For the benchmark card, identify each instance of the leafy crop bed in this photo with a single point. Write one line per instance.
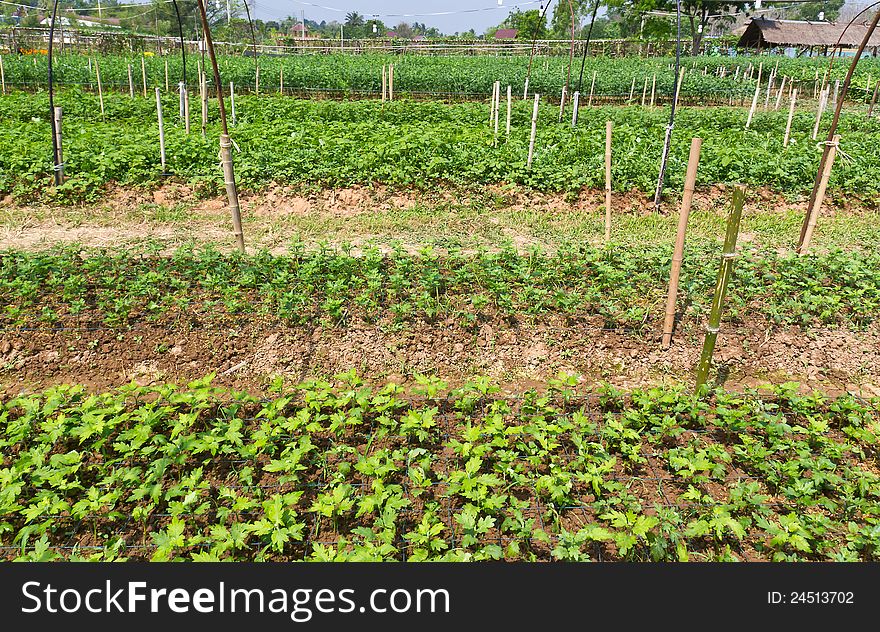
(100, 288)
(348, 473)
(411, 144)
(441, 75)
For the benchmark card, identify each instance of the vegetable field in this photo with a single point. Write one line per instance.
(445, 328)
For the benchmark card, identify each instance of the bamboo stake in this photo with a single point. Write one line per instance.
(232, 100)
(257, 78)
(724, 273)
(144, 75)
(678, 253)
(204, 99)
(509, 98)
(653, 88)
(130, 83)
(607, 181)
(680, 84)
(779, 94)
(562, 103)
(2, 75)
(100, 88)
(592, 87)
(161, 129)
(575, 105)
(384, 83)
(391, 82)
(819, 110)
(790, 117)
(526, 89)
(836, 90)
(59, 164)
(873, 100)
(631, 90)
(180, 89)
(167, 85)
(644, 90)
(820, 196)
(754, 104)
(497, 109)
(281, 81)
(186, 109)
(534, 131)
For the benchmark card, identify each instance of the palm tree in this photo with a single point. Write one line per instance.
(354, 19)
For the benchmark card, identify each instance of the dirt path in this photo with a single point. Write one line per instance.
(517, 356)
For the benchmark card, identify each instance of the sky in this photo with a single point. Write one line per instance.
(461, 15)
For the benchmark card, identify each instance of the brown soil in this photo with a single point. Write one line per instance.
(517, 356)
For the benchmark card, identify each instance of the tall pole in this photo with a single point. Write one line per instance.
(225, 141)
(182, 43)
(587, 44)
(56, 150)
(254, 42)
(675, 87)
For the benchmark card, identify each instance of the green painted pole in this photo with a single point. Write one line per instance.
(724, 274)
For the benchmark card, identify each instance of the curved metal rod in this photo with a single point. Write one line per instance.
(675, 87)
(587, 44)
(55, 148)
(253, 41)
(182, 44)
(535, 41)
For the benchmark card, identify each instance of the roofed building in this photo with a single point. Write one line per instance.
(763, 33)
(506, 34)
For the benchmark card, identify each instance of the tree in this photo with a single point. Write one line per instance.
(695, 16)
(404, 30)
(529, 24)
(810, 10)
(354, 19)
(560, 23)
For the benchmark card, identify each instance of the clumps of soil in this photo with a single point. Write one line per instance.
(516, 355)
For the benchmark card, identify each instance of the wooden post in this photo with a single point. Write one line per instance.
(724, 273)
(59, 158)
(526, 89)
(509, 98)
(391, 82)
(836, 90)
(779, 94)
(130, 83)
(204, 97)
(575, 105)
(754, 103)
(281, 81)
(232, 100)
(632, 89)
(100, 87)
(2, 75)
(497, 98)
(820, 196)
(167, 85)
(790, 117)
(186, 110)
(161, 129)
(653, 88)
(534, 131)
(607, 182)
(678, 253)
(644, 90)
(562, 103)
(823, 96)
(144, 75)
(873, 100)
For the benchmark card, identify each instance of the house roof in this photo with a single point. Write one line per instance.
(391, 34)
(506, 34)
(763, 32)
(299, 28)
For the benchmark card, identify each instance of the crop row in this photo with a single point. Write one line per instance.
(623, 287)
(344, 472)
(463, 75)
(412, 144)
